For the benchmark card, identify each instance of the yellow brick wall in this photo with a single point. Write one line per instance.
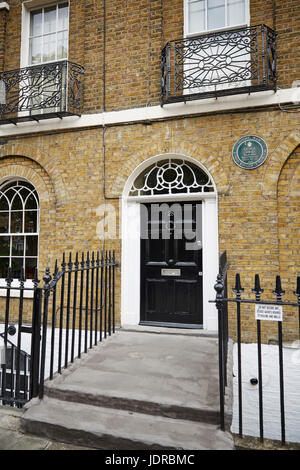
(289, 234)
(3, 21)
(136, 31)
(67, 167)
(70, 184)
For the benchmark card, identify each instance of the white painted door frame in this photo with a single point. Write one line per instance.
(131, 262)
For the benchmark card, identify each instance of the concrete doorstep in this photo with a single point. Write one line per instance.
(12, 437)
(136, 392)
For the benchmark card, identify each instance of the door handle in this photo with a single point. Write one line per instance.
(200, 273)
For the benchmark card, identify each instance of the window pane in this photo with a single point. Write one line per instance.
(31, 202)
(62, 45)
(17, 203)
(49, 47)
(18, 246)
(236, 12)
(16, 222)
(36, 23)
(4, 264)
(3, 204)
(50, 20)
(4, 246)
(31, 221)
(16, 266)
(30, 265)
(4, 218)
(10, 194)
(31, 246)
(24, 193)
(216, 14)
(197, 16)
(35, 54)
(63, 17)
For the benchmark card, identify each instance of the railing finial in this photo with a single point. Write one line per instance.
(257, 289)
(279, 292)
(238, 289)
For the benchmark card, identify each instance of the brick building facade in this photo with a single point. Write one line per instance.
(80, 164)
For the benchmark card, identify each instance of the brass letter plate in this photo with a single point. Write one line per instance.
(171, 272)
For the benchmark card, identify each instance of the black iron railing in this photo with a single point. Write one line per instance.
(219, 64)
(14, 372)
(222, 302)
(73, 311)
(223, 269)
(41, 92)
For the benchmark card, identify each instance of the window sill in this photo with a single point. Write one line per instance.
(219, 30)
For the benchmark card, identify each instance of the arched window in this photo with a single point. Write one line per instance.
(19, 228)
(172, 176)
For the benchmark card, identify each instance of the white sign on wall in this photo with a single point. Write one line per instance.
(268, 312)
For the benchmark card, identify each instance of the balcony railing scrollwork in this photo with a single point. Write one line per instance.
(219, 64)
(41, 92)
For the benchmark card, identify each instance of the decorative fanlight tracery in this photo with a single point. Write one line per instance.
(172, 176)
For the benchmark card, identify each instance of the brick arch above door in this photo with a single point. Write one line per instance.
(211, 163)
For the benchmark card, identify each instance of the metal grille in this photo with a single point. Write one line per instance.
(242, 305)
(70, 313)
(41, 92)
(219, 64)
(172, 177)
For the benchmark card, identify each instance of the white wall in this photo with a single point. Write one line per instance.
(271, 395)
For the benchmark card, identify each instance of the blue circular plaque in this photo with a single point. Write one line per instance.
(250, 152)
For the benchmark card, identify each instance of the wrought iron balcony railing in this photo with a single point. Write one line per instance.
(219, 64)
(41, 92)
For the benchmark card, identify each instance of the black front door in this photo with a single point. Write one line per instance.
(171, 264)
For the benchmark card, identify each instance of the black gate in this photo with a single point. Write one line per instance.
(271, 314)
(45, 328)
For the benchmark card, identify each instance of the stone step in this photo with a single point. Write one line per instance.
(174, 376)
(114, 429)
(137, 405)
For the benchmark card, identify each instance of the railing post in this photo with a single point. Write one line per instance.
(297, 294)
(163, 76)
(263, 53)
(279, 292)
(258, 291)
(46, 289)
(35, 343)
(64, 72)
(238, 289)
(219, 288)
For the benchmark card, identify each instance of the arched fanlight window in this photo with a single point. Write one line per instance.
(172, 176)
(19, 228)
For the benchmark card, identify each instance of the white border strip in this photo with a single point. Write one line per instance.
(210, 105)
